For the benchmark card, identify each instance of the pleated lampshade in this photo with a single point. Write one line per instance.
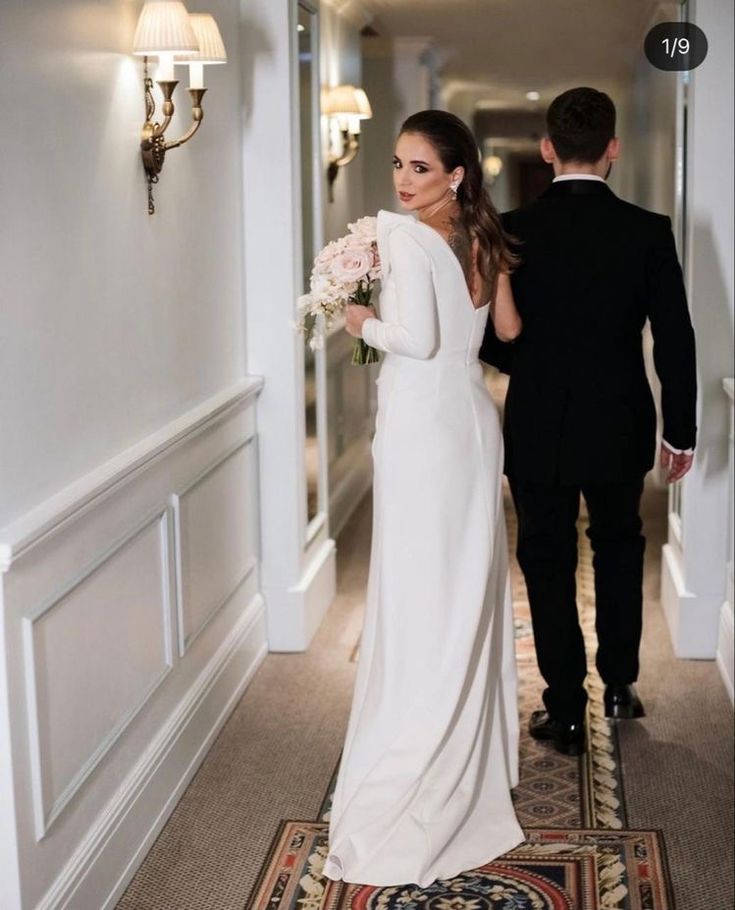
(211, 46)
(347, 101)
(164, 28)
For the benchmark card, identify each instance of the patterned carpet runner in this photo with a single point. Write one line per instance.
(578, 854)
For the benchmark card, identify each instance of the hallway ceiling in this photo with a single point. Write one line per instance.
(494, 51)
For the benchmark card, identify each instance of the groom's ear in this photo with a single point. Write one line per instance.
(613, 149)
(547, 150)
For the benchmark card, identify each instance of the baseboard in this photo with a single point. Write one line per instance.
(692, 618)
(145, 800)
(725, 648)
(294, 615)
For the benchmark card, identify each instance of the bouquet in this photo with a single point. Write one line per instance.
(344, 272)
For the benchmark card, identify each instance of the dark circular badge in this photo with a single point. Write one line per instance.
(676, 46)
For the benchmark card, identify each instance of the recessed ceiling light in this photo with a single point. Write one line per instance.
(533, 96)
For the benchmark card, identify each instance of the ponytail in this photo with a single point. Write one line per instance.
(456, 147)
(482, 221)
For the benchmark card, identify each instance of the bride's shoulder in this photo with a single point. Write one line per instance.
(388, 222)
(393, 225)
(391, 230)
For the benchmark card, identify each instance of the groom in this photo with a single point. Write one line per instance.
(579, 414)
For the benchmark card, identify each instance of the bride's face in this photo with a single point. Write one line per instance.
(419, 177)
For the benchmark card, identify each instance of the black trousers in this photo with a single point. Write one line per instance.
(547, 553)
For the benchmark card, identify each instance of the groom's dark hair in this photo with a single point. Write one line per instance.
(580, 123)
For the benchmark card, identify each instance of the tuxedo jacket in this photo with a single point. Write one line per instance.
(593, 269)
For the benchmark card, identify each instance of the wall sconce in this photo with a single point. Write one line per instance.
(166, 30)
(492, 165)
(348, 105)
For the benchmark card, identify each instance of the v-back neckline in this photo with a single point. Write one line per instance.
(445, 244)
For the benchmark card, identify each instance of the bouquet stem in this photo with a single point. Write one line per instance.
(362, 353)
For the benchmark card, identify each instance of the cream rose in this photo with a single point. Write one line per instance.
(352, 264)
(365, 228)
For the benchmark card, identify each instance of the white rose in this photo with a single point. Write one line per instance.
(352, 265)
(365, 228)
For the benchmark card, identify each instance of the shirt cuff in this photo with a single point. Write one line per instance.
(677, 451)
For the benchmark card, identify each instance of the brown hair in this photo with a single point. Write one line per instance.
(456, 147)
(581, 123)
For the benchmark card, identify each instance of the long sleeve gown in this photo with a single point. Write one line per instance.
(431, 751)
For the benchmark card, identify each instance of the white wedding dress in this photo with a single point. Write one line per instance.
(431, 752)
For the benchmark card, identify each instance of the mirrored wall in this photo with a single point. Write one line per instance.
(308, 76)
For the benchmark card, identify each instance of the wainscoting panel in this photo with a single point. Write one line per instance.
(118, 611)
(131, 621)
(216, 541)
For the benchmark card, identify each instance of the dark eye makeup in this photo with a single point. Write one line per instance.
(419, 166)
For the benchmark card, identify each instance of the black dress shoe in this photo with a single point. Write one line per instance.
(622, 702)
(569, 739)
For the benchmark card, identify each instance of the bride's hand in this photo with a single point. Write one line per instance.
(355, 315)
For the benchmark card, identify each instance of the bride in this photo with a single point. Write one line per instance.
(431, 751)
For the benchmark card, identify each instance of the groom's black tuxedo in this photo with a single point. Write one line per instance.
(580, 417)
(579, 407)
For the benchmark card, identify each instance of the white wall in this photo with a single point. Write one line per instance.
(113, 322)
(694, 565)
(131, 615)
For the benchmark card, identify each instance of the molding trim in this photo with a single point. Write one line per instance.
(185, 641)
(68, 889)
(45, 817)
(357, 12)
(20, 536)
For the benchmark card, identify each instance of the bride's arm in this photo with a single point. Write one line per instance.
(415, 334)
(503, 312)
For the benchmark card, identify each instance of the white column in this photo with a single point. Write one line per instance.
(298, 582)
(694, 560)
(726, 638)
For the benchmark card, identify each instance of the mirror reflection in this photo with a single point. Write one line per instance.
(307, 100)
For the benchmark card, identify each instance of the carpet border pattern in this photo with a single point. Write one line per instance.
(601, 870)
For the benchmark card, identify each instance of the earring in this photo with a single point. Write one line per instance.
(454, 187)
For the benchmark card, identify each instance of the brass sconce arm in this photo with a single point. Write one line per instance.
(350, 148)
(153, 130)
(153, 146)
(197, 115)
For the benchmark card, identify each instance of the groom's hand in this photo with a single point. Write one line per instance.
(675, 465)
